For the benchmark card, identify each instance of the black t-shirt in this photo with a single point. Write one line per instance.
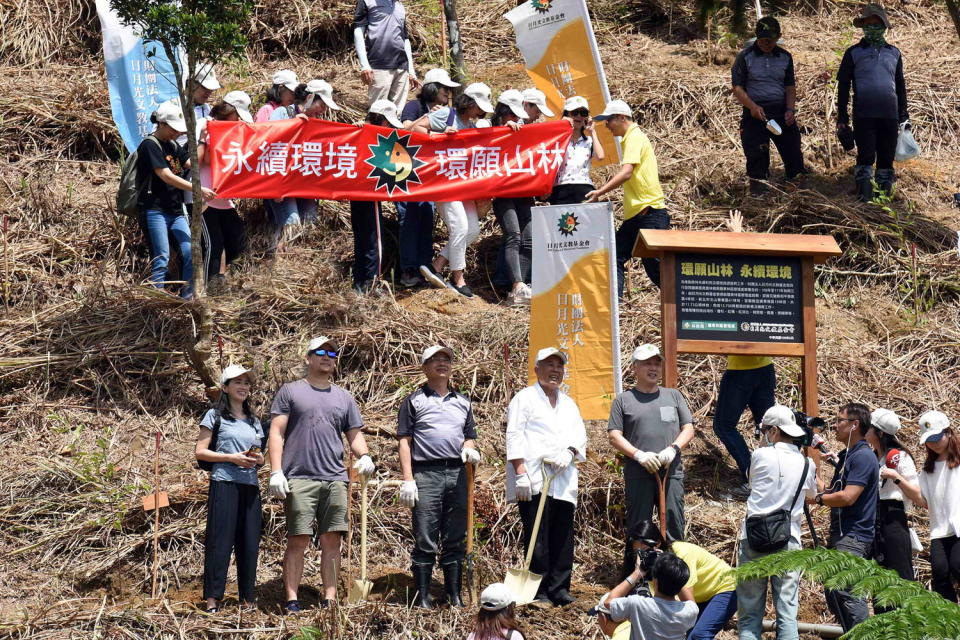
(151, 156)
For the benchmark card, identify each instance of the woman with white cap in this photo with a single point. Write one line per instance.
(463, 225)
(939, 488)
(535, 105)
(231, 442)
(496, 619)
(366, 217)
(160, 162)
(280, 94)
(223, 228)
(513, 214)
(899, 487)
(416, 218)
(311, 100)
(573, 179)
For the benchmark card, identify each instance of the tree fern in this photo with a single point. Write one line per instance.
(921, 614)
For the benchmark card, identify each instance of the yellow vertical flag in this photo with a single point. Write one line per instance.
(561, 56)
(574, 306)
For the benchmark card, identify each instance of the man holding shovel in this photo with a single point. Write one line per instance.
(545, 435)
(649, 425)
(436, 436)
(309, 418)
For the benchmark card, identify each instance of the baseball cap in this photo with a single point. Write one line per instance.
(575, 102)
(388, 110)
(286, 78)
(539, 98)
(513, 99)
(207, 77)
(644, 352)
(240, 101)
(614, 108)
(170, 114)
(234, 371)
(481, 95)
(429, 352)
(932, 423)
(495, 597)
(323, 89)
(782, 417)
(316, 343)
(885, 420)
(543, 354)
(869, 10)
(440, 76)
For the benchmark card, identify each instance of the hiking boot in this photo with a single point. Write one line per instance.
(432, 278)
(451, 584)
(421, 578)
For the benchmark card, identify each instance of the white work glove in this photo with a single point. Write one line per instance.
(603, 604)
(560, 459)
(409, 494)
(666, 456)
(364, 465)
(469, 455)
(279, 487)
(524, 490)
(648, 460)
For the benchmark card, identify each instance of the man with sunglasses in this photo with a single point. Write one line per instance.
(852, 499)
(436, 433)
(309, 417)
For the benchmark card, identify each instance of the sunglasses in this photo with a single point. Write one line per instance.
(323, 352)
(583, 113)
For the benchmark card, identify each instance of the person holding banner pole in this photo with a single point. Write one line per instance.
(463, 224)
(545, 436)
(644, 206)
(573, 179)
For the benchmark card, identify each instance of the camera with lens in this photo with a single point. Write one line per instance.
(646, 558)
(810, 426)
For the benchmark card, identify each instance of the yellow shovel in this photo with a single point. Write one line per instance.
(523, 583)
(361, 588)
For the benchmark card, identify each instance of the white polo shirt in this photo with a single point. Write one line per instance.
(774, 476)
(536, 429)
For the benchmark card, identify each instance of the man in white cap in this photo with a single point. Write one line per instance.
(644, 206)
(779, 473)
(650, 425)
(535, 105)
(545, 436)
(383, 49)
(436, 434)
(309, 419)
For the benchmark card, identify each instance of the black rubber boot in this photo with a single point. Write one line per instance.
(421, 578)
(885, 181)
(451, 584)
(863, 175)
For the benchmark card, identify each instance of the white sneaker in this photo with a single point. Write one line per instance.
(523, 294)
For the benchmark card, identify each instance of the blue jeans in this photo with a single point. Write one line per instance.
(416, 234)
(714, 613)
(752, 598)
(160, 225)
(626, 238)
(849, 609)
(739, 389)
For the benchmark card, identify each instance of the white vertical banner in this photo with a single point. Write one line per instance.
(574, 306)
(139, 76)
(560, 53)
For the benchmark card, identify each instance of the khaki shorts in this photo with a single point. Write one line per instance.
(321, 500)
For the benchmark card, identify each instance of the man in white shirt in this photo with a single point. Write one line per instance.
(545, 435)
(777, 472)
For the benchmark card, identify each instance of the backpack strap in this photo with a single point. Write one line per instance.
(216, 430)
(803, 480)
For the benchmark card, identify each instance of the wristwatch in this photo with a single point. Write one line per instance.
(676, 448)
(819, 499)
(896, 481)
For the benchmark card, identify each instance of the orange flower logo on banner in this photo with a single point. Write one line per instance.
(394, 162)
(567, 224)
(541, 5)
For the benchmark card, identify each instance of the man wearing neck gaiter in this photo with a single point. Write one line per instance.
(875, 69)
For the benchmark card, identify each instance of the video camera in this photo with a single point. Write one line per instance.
(645, 561)
(810, 425)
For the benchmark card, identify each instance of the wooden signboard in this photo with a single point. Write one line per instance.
(738, 293)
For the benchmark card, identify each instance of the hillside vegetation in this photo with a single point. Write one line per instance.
(92, 364)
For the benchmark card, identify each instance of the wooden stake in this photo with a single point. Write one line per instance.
(156, 517)
(916, 283)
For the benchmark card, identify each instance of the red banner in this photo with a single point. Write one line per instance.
(333, 161)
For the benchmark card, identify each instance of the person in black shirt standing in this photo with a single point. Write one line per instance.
(875, 70)
(852, 498)
(161, 162)
(763, 82)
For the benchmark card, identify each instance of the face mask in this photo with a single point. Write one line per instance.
(873, 34)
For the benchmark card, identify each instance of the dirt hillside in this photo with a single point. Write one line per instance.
(92, 363)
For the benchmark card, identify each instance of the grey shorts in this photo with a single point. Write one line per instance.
(322, 500)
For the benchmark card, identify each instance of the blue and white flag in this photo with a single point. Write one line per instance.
(138, 79)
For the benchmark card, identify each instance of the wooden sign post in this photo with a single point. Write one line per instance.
(738, 293)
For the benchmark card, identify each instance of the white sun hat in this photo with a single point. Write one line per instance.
(539, 98)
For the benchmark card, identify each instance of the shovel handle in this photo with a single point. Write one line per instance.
(363, 528)
(662, 506)
(548, 478)
(471, 473)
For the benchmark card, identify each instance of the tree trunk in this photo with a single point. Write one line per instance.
(954, 10)
(453, 36)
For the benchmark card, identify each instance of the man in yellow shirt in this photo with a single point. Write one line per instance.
(643, 203)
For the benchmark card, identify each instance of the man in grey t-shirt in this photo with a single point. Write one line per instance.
(436, 433)
(383, 49)
(650, 425)
(309, 418)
